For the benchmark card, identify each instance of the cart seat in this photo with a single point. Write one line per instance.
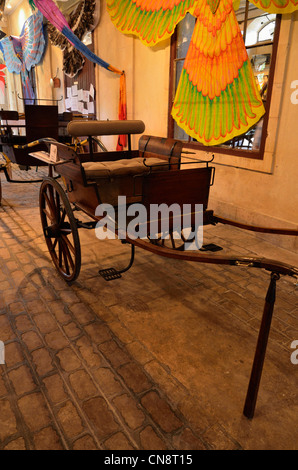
(113, 174)
(124, 167)
(124, 177)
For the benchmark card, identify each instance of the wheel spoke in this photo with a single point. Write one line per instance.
(50, 193)
(183, 237)
(49, 216)
(62, 216)
(65, 258)
(168, 239)
(57, 204)
(172, 241)
(68, 243)
(52, 210)
(68, 255)
(60, 253)
(54, 244)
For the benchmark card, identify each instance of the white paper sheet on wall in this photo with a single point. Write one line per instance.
(68, 90)
(80, 95)
(91, 107)
(74, 90)
(68, 103)
(80, 107)
(91, 91)
(74, 103)
(86, 96)
(61, 107)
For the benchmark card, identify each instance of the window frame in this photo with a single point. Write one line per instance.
(220, 149)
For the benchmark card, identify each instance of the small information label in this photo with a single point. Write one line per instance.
(53, 154)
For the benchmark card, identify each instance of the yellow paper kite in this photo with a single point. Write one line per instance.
(276, 6)
(217, 97)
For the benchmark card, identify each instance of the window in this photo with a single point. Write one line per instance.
(260, 32)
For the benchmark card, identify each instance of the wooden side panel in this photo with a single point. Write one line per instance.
(181, 187)
(177, 187)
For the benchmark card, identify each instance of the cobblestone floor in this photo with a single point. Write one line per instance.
(159, 359)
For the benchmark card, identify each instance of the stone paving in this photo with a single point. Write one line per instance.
(157, 360)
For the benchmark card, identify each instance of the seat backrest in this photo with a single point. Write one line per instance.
(161, 147)
(41, 121)
(101, 128)
(67, 116)
(9, 129)
(9, 115)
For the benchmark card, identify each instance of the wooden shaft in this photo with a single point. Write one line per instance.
(199, 257)
(256, 228)
(257, 368)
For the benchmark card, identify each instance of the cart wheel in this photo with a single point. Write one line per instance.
(171, 241)
(60, 229)
(6, 163)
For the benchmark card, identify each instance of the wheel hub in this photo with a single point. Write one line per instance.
(55, 230)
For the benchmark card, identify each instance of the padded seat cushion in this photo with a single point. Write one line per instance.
(124, 167)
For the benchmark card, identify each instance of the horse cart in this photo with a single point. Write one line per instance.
(151, 175)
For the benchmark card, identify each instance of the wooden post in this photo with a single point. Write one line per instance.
(257, 368)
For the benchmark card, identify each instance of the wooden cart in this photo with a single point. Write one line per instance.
(152, 174)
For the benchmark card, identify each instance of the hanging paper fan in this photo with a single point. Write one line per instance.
(80, 21)
(2, 78)
(23, 52)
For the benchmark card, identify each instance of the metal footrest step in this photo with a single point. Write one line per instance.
(109, 274)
